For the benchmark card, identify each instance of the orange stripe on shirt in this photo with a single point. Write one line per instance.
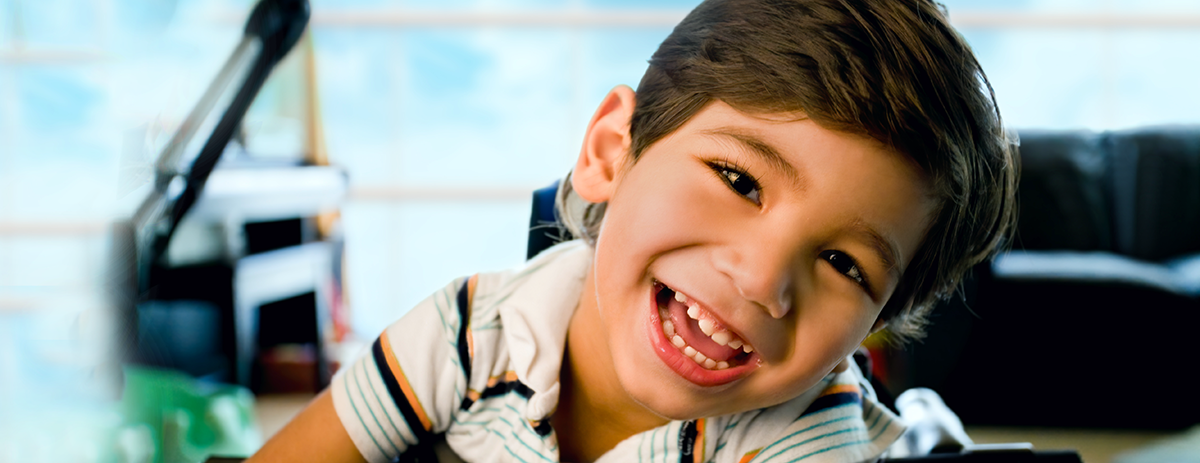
(471, 283)
(840, 388)
(394, 367)
(507, 377)
(749, 456)
(698, 449)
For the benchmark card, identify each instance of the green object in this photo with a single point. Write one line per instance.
(171, 417)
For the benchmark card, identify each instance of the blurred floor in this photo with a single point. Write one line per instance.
(1095, 446)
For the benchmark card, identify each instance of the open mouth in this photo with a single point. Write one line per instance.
(698, 334)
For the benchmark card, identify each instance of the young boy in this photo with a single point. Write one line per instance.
(791, 176)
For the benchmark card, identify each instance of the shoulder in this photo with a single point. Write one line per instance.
(519, 318)
(515, 341)
(426, 370)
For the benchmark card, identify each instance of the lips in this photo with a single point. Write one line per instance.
(694, 343)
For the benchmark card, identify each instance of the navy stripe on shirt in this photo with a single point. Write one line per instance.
(832, 400)
(397, 394)
(464, 319)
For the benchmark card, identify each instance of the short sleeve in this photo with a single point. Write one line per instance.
(407, 386)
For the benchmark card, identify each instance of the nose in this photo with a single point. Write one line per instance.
(762, 271)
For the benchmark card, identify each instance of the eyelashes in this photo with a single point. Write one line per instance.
(849, 268)
(739, 181)
(846, 265)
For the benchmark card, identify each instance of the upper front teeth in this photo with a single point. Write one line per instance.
(710, 328)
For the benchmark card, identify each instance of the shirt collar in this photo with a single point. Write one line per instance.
(536, 315)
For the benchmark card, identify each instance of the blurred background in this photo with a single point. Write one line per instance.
(441, 116)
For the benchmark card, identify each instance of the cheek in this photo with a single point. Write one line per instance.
(653, 212)
(661, 211)
(824, 334)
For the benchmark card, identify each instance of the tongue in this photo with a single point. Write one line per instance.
(689, 330)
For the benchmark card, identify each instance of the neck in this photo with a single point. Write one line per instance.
(594, 412)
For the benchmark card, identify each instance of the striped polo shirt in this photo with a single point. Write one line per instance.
(475, 367)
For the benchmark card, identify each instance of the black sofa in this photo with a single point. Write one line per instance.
(1089, 320)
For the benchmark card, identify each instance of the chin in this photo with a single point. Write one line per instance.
(672, 406)
(655, 391)
(647, 387)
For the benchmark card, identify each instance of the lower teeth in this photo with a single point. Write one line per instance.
(679, 343)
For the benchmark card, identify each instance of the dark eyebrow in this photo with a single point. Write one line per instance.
(885, 249)
(755, 145)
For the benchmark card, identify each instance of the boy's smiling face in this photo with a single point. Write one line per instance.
(767, 231)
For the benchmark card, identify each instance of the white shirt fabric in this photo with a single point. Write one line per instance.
(489, 386)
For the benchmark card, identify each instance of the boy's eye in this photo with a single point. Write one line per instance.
(845, 265)
(740, 182)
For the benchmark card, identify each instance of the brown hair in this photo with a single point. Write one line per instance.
(892, 70)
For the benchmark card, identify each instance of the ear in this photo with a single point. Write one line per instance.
(605, 147)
